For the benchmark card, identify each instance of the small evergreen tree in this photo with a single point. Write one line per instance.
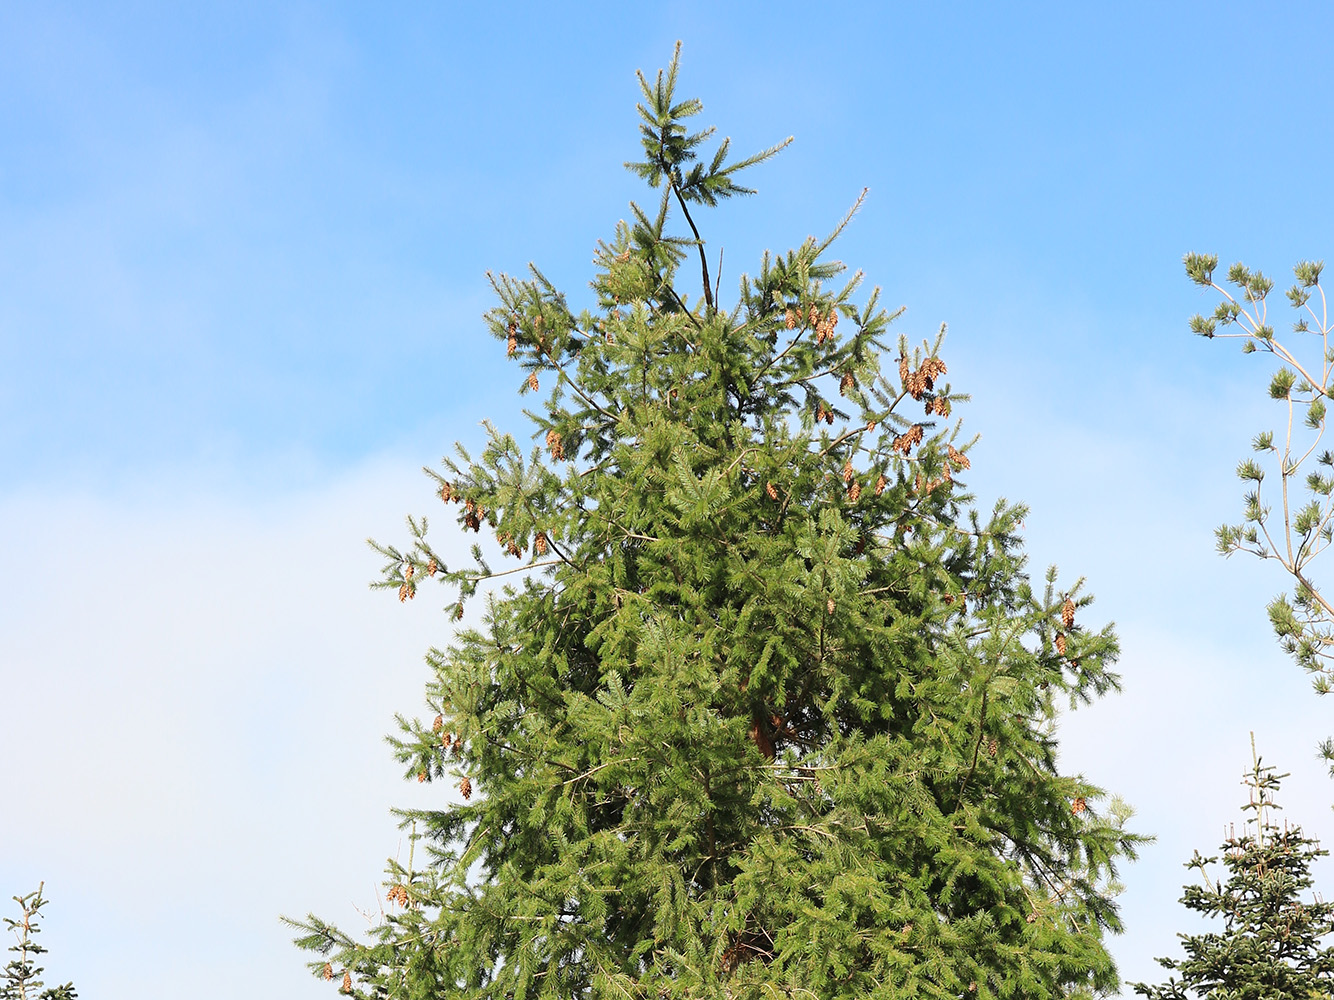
(772, 711)
(22, 975)
(1270, 946)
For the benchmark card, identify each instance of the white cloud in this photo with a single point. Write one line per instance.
(196, 694)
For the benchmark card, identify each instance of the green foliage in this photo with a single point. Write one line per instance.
(21, 977)
(772, 711)
(1271, 942)
(1304, 620)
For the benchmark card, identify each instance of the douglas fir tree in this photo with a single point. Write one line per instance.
(771, 711)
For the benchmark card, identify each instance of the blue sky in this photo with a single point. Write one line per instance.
(242, 266)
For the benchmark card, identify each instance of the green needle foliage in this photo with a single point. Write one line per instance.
(1270, 946)
(20, 979)
(771, 710)
(1303, 527)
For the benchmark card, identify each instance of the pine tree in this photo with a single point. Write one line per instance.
(1270, 946)
(771, 711)
(21, 977)
(1302, 384)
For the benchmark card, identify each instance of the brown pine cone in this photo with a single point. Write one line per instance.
(1068, 613)
(465, 787)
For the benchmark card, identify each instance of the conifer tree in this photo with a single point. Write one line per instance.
(1271, 943)
(1302, 527)
(764, 706)
(21, 977)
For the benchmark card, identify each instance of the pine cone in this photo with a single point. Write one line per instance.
(769, 489)
(465, 787)
(446, 492)
(1060, 644)
(1068, 613)
(903, 369)
(880, 484)
(870, 425)
(540, 545)
(790, 319)
(432, 566)
(815, 315)
(960, 461)
(402, 593)
(993, 747)
(829, 417)
(458, 742)
(854, 492)
(327, 972)
(1078, 806)
(829, 606)
(511, 344)
(847, 471)
(438, 724)
(458, 611)
(846, 383)
(553, 442)
(347, 983)
(532, 381)
(421, 776)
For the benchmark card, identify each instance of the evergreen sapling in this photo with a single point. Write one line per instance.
(1271, 945)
